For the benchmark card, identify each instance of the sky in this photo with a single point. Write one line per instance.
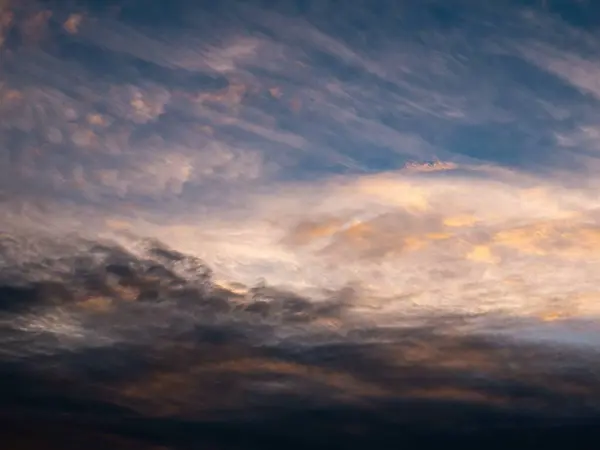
(384, 165)
(446, 154)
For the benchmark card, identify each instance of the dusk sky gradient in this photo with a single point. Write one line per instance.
(369, 180)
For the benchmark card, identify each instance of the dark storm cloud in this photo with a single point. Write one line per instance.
(150, 336)
(78, 280)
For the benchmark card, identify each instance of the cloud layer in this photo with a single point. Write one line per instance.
(371, 209)
(277, 145)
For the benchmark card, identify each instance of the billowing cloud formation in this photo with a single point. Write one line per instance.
(411, 244)
(151, 341)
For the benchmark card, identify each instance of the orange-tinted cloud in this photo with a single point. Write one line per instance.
(6, 21)
(34, 28)
(482, 253)
(73, 23)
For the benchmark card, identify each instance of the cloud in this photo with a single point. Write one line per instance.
(73, 22)
(568, 65)
(387, 225)
(403, 234)
(194, 353)
(160, 88)
(202, 168)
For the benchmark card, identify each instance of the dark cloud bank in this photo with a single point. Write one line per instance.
(163, 358)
